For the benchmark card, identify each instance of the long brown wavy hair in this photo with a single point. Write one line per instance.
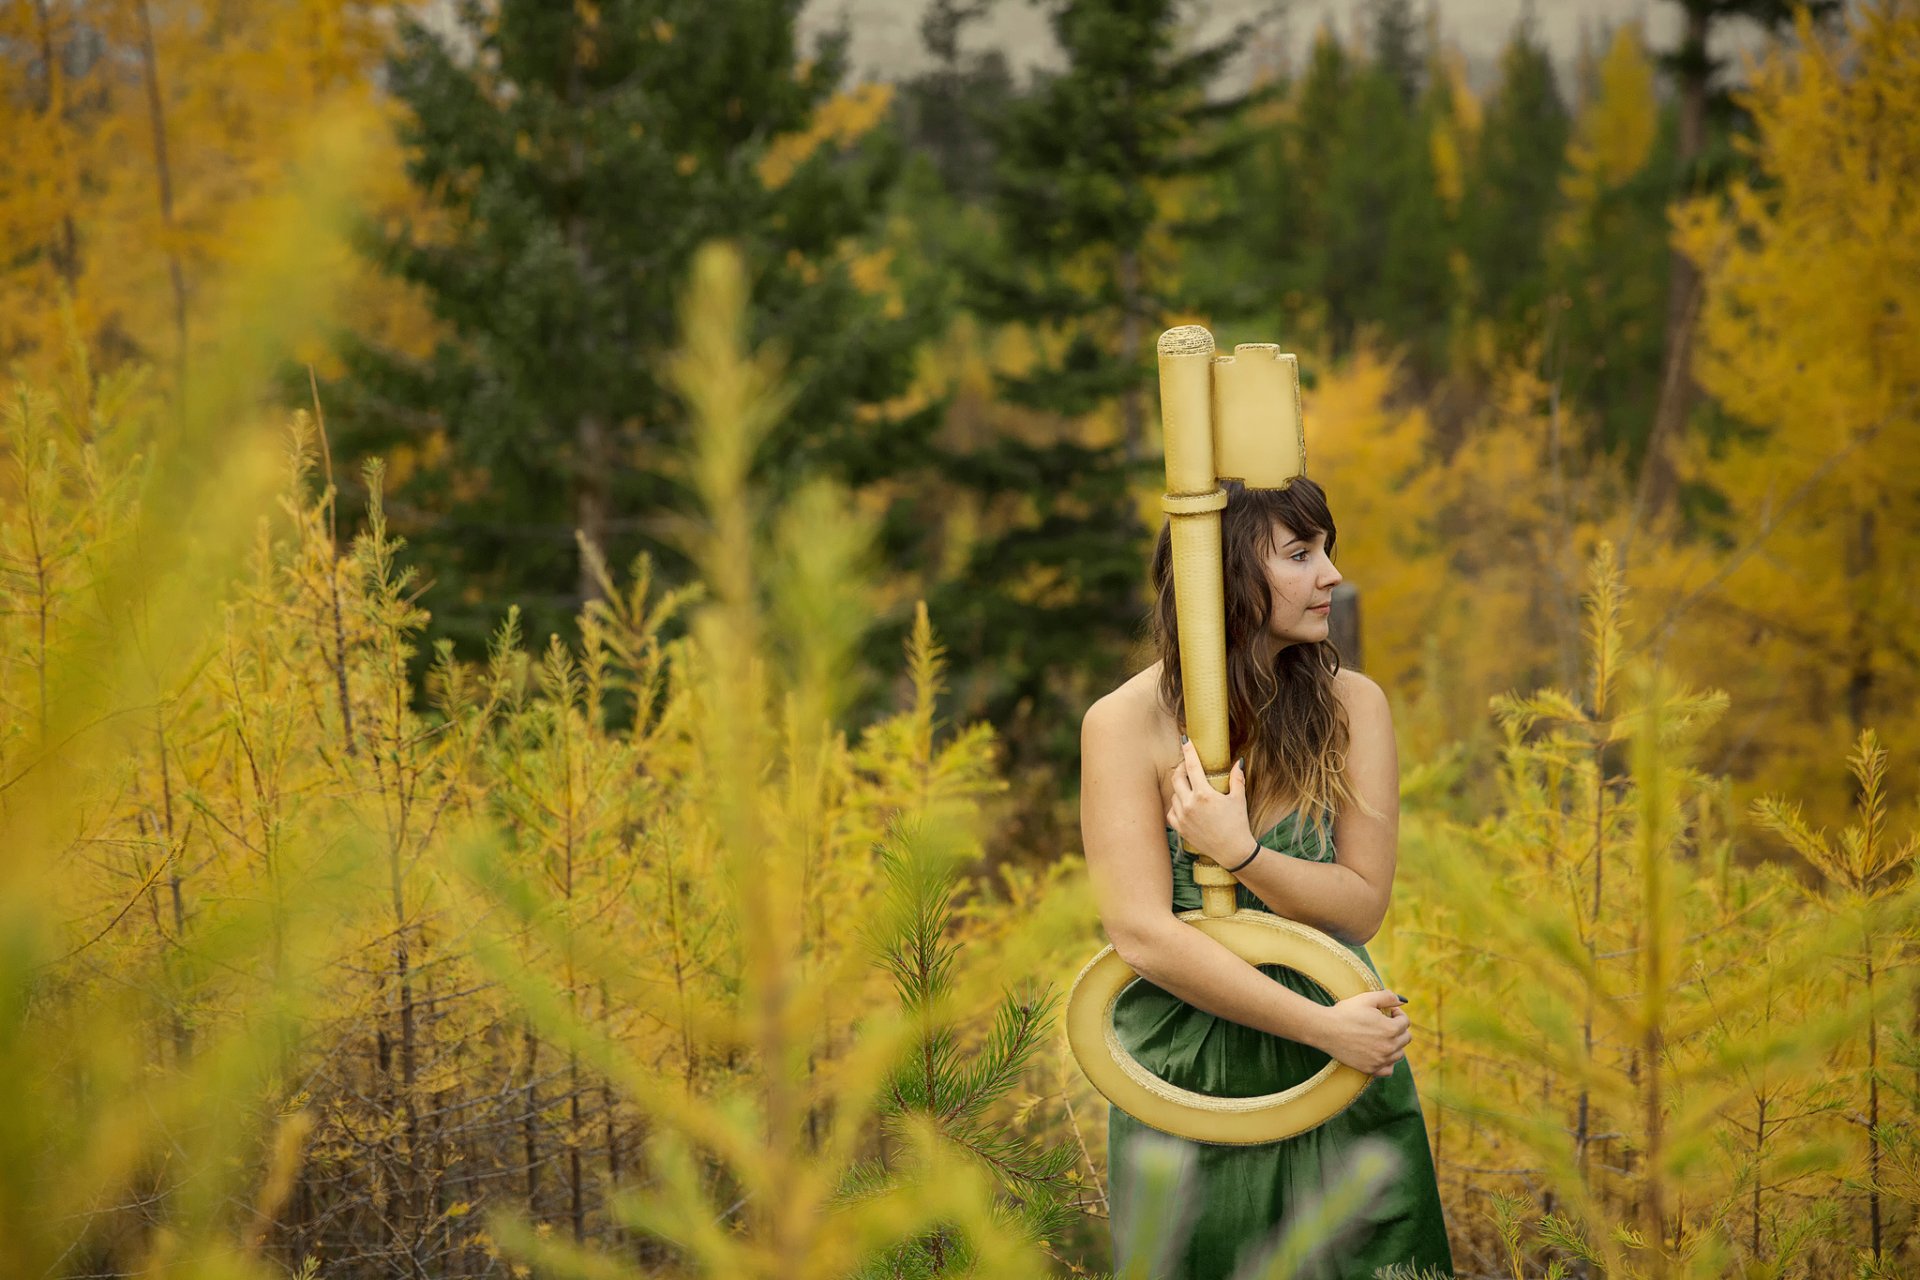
(1283, 717)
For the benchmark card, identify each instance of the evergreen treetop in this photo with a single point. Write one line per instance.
(1091, 167)
(573, 157)
(1522, 147)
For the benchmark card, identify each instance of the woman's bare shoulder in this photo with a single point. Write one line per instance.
(1354, 688)
(1133, 709)
(1363, 701)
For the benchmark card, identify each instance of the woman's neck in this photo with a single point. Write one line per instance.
(1267, 646)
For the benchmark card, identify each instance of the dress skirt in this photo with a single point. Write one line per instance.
(1242, 1195)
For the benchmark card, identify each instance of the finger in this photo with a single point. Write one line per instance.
(1181, 785)
(1196, 772)
(1237, 778)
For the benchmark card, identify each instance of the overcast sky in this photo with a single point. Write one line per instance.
(886, 33)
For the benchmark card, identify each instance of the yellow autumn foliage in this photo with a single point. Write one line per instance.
(332, 961)
(1812, 273)
(1457, 130)
(1372, 457)
(139, 157)
(1614, 134)
(321, 961)
(840, 121)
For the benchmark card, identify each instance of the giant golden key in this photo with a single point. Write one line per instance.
(1224, 417)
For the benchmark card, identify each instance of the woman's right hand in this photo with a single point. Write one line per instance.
(1366, 1032)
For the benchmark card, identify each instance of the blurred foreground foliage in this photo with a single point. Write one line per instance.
(329, 937)
(298, 971)
(302, 976)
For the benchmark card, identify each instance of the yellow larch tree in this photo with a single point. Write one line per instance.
(326, 967)
(1812, 276)
(148, 133)
(1615, 133)
(1372, 457)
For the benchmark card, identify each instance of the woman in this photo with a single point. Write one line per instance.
(1317, 743)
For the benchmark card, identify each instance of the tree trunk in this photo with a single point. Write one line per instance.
(1873, 1108)
(1759, 1171)
(616, 1237)
(1133, 418)
(1658, 479)
(591, 462)
(1861, 564)
(1656, 1211)
(336, 562)
(156, 116)
(409, 1073)
(53, 104)
(1583, 1127)
(530, 1133)
(576, 1173)
(590, 496)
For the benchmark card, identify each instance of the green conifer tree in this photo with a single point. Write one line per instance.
(1383, 225)
(1279, 200)
(1394, 38)
(1084, 159)
(574, 156)
(1607, 268)
(1515, 186)
(1082, 262)
(938, 1080)
(1349, 228)
(946, 111)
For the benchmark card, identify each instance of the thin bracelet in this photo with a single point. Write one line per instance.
(1257, 847)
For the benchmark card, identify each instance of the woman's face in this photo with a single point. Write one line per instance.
(1303, 579)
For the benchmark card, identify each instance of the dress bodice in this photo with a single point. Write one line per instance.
(1290, 836)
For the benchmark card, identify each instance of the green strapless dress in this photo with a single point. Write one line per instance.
(1245, 1193)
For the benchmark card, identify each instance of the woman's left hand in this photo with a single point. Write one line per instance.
(1212, 824)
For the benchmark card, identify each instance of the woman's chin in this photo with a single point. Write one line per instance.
(1308, 632)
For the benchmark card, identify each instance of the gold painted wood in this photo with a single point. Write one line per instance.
(1258, 938)
(1223, 417)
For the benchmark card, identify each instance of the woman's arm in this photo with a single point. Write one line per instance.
(1133, 886)
(1347, 897)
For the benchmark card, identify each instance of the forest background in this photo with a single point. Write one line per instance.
(463, 804)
